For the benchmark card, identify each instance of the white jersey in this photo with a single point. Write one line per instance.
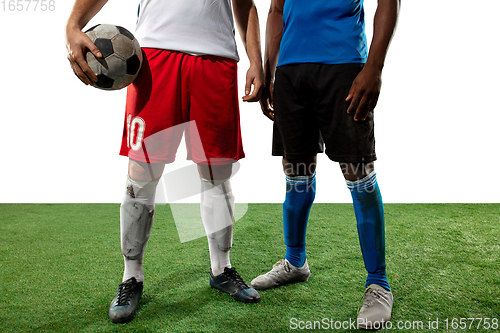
(192, 26)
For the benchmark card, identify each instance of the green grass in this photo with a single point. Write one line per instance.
(60, 266)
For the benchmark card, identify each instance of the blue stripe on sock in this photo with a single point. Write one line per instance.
(301, 180)
(362, 184)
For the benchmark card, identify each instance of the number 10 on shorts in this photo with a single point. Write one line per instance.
(135, 132)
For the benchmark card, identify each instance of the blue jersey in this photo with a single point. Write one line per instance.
(323, 31)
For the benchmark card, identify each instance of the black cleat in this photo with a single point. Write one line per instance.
(122, 308)
(231, 283)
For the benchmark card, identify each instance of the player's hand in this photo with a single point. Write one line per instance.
(77, 45)
(255, 78)
(364, 93)
(266, 100)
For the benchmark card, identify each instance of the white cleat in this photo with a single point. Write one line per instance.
(282, 273)
(376, 309)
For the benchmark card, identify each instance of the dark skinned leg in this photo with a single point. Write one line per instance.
(356, 171)
(300, 167)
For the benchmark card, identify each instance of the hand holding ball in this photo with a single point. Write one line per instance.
(121, 56)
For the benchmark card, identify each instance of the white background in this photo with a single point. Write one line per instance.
(436, 121)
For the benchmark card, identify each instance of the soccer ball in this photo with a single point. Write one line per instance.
(121, 56)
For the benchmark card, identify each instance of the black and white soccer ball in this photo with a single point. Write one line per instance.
(121, 56)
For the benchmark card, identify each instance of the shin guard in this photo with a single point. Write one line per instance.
(217, 207)
(136, 220)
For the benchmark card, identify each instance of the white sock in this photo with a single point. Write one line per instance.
(217, 207)
(136, 220)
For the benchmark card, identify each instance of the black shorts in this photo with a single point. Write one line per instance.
(311, 112)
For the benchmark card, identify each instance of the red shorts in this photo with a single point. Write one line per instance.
(177, 93)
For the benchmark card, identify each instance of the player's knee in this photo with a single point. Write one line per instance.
(300, 167)
(144, 172)
(215, 172)
(356, 171)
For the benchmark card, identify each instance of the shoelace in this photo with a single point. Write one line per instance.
(125, 292)
(285, 265)
(369, 290)
(236, 278)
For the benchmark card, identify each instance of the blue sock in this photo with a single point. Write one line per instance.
(369, 211)
(300, 193)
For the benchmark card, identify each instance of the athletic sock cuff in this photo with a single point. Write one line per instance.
(301, 180)
(142, 184)
(141, 191)
(362, 184)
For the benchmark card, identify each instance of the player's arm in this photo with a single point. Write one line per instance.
(365, 89)
(274, 31)
(247, 20)
(77, 42)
